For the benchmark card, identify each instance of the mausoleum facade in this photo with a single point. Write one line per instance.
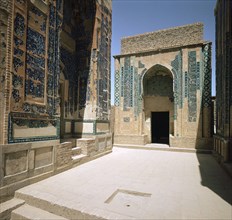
(163, 89)
(54, 86)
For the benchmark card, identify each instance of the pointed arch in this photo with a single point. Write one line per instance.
(156, 68)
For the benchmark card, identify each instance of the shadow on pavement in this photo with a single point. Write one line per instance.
(214, 177)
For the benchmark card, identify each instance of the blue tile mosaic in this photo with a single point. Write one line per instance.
(117, 89)
(36, 11)
(137, 92)
(207, 76)
(186, 84)
(127, 84)
(35, 62)
(31, 120)
(17, 81)
(19, 25)
(16, 95)
(52, 16)
(18, 52)
(17, 42)
(32, 49)
(192, 87)
(177, 72)
(198, 81)
(17, 63)
(35, 42)
(38, 18)
(35, 74)
(122, 79)
(158, 86)
(50, 85)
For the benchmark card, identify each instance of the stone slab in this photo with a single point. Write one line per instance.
(29, 212)
(162, 147)
(180, 185)
(7, 207)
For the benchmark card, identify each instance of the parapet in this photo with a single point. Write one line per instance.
(167, 38)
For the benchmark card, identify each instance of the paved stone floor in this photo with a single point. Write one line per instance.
(141, 184)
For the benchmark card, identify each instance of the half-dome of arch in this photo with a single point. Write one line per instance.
(158, 81)
(158, 70)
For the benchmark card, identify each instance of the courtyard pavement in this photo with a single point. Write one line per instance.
(140, 184)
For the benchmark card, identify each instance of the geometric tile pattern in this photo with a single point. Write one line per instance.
(53, 60)
(198, 80)
(18, 79)
(136, 93)
(128, 84)
(192, 86)
(117, 89)
(158, 85)
(35, 46)
(206, 99)
(29, 72)
(131, 85)
(177, 72)
(103, 71)
(186, 84)
(122, 79)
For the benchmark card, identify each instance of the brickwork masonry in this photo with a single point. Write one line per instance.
(172, 37)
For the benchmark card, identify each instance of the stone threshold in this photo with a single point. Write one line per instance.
(163, 147)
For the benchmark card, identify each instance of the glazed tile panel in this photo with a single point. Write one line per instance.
(34, 93)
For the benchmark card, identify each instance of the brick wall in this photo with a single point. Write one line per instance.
(64, 154)
(178, 36)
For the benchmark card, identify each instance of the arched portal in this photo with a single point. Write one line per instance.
(158, 98)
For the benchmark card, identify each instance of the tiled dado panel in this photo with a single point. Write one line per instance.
(35, 70)
(25, 127)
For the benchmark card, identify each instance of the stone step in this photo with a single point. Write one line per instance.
(8, 206)
(29, 212)
(43, 206)
(72, 140)
(76, 151)
(163, 147)
(79, 159)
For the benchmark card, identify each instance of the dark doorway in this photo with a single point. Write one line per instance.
(160, 127)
